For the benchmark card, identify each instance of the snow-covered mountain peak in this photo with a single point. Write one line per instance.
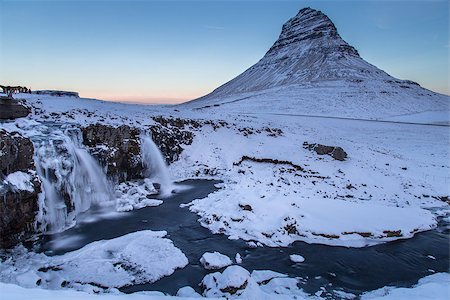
(308, 50)
(311, 70)
(310, 28)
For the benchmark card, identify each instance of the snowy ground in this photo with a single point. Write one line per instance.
(431, 287)
(393, 184)
(388, 188)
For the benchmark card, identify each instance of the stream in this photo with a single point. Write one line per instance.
(354, 270)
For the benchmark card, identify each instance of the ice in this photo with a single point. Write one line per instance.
(20, 181)
(135, 195)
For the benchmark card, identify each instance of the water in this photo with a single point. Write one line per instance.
(73, 181)
(355, 270)
(155, 166)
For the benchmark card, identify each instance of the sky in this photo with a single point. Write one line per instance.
(174, 51)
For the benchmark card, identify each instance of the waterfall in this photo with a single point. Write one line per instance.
(155, 165)
(72, 180)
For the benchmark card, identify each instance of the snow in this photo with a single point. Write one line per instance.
(135, 195)
(238, 258)
(434, 286)
(261, 276)
(20, 181)
(236, 282)
(15, 292)
(296, 258)
(135, 258)
(365, 200)
(441, 117)
(188, 291)
(431, 287)
(214, 260)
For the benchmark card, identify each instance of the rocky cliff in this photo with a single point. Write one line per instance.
(19, 188)
(12, 109)
(118, 149)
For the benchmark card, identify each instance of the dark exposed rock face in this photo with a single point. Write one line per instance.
(16, 153)
(18, 207)
(12, 109)
(335, 152)
(170, 141)
(116, 148)
(119, 148)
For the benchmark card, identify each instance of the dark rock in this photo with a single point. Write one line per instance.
(393, 233)
(17, 213)
(12, 109)
(334, 151)
(246, 207)
(16, 153)
(18, 207)
(57, 93)
(171, 134)
(116, 148)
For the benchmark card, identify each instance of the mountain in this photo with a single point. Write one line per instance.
(310, 69)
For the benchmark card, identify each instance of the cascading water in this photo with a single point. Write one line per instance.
(72, 180)
(155, 165)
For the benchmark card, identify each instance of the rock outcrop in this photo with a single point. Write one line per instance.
(116, 148)
(56, 93)
(12, 109)
(334, 151)
(119, 148)
(19, 188)
(170, 141)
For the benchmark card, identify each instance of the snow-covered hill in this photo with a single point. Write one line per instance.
(311, 70)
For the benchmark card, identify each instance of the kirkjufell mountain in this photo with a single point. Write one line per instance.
(310, 69)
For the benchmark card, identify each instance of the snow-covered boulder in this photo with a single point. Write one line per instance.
(215, 260)
(136, 258)
(233, 280)
(236, 282)
(296, 258)
(188, 291)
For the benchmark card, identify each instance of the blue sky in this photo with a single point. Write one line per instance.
(172, 51)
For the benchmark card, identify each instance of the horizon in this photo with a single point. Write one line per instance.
(200, 46)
